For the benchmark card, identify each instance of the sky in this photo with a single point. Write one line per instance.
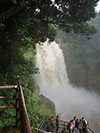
(98, 7)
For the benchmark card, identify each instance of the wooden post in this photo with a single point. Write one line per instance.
(17, 106)
(25, 125)
(64, 125)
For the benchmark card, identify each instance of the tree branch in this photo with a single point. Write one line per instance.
(1, 1)
(15, 9)
(9, 13)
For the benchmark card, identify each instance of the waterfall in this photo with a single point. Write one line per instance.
(54, 84)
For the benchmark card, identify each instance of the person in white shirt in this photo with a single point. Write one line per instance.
(73, 125)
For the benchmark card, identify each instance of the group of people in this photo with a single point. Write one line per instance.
(74, 126)
(57, 122)
(78, 125)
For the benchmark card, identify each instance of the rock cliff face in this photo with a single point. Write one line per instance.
(82, 57)
(79, 74)
(45, 102)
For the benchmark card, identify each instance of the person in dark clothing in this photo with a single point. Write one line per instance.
(84, 125)
(63, 131)
(57, 123)
(80, 126)
(76, 124)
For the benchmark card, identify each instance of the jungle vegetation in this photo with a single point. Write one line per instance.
(23, 24)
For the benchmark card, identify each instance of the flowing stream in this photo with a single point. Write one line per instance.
(54, 84)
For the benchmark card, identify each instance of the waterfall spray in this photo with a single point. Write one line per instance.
(54, 84)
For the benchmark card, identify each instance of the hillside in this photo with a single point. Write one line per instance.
(82, 57)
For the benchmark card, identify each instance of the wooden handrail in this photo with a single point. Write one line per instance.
(5, 97)
(63, 125)
(64, 121)
(8, 87)
(7, 107)
(20, 107)
(25, 125)
(90, 130)
(7, 117)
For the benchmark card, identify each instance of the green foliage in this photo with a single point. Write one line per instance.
(36, 109)
(7, 112)
(22, 29)
(17, 57)
(69, 15)
(37, 106)
(17, 40)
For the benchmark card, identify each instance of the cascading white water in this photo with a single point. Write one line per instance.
(53, 83)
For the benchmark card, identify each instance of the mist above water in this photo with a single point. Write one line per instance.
(54, 84)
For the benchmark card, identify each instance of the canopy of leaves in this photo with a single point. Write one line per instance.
(20, 36)
(67, 14)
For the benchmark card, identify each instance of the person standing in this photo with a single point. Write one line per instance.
(57, 123)
(76, 125)
(73, 125)
(80, 126)
(84, 125)
(52, 121)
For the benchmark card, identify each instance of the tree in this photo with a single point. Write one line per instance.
(18, 40)
(67, 14)
(17, 56)
(20, 36)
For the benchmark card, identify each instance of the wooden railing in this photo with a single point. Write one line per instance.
(43, 125)
(63, 125)
(21, 112)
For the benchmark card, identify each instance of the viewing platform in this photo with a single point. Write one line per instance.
(21, 124)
